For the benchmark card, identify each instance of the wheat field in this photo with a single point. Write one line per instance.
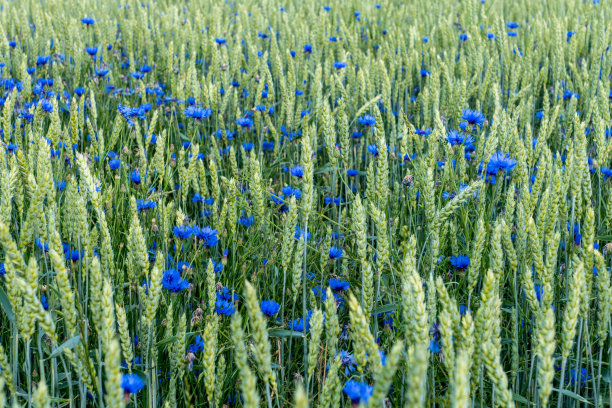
(301, 203)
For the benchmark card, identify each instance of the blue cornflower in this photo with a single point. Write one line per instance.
(292, 192)
(226, 294)
(372, 148)
(298, 324)
(335, 252)
(269, 307)
(182, 231)
(42, 60)
(606, 172)
(101, 72)
(460, 262)
(224, 307)
(577, 234)
(301, 234)
(278, 199)
(297, 171)
(245, 123)
(500, 162)
(220, 40)
(538, 292)
(448, 196)
(581, 377)
(512, 25)
(358, 392)
(455, 138)
(367, 120)
(135, 177)
(434, 346)
(331, 200)
(198, 345)
(44, 302)
(248, 146)
(71, 255)
(338, 285)
(568, 94)
(209, 236)
(173, 282)
(197, 112)
(348, 362)
(42, 245)
(246, 221)
(115, 163)
(339, 65)
(472, 117)
(131, 383)
(60, 185)
(142, 204)
(268, 146)
(88, 21)
(46, 105)
(307, 48)
(92, 50)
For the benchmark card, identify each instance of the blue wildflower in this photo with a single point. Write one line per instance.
(460, 262)
(367, 120)
(114, 164)
(297, 171)
(131, 383)
(269, 307)
(372, 148)
(208, 236)
(338, 285)
(298, 324)
(348, 362)
(197, 112)
(173, 282)
(182, 231)
(135, 177)
(335, 252)
(224, 307)
(245, 123)
(472, 117)
(358, 392)
(198, 345)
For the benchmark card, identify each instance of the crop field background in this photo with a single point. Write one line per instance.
(302, 203)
